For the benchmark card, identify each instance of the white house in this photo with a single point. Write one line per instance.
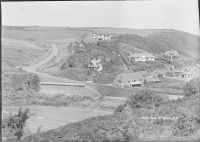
(191, 72)
(96, 64)
(97, 36)
(143, 57)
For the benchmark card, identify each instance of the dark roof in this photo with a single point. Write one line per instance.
(141, 54)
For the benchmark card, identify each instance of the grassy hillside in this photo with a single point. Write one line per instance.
(157, 43)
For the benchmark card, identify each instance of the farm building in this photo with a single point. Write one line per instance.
(129, 79)
(142, 57)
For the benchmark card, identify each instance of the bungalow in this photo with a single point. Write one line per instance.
(162, 73)
(97, 36)
(142, 57)
(129, 79)
(186, 76)
(191, 72)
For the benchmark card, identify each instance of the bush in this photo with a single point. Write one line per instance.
(33, 82)
(185, 126)
(71, 61)
(143, 98)
(192, 87)
(120, 108)
(13, 126)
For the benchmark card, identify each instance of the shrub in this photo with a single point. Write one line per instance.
(185, 126)
(13, 126)
(143, 98)
(192, 87)
(120, 108)
(33, 82)
(71, 61)
(63, 66)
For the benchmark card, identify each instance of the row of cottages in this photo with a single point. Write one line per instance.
(143, 57)
(96, 64)
(98, 36)
(185, 74)
(129, 80)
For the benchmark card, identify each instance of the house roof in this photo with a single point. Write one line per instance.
(190, 67)
(141, 54)
(186, 72)
(125, 77)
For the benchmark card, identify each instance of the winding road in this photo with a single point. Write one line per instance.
(46, 77)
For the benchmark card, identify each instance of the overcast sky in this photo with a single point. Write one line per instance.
(152, 14)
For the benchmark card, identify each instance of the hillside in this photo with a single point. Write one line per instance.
(157, 43)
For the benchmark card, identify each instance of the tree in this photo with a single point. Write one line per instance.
(171, 53)
(192, 87)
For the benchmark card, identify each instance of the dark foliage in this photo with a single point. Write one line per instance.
(192, 87)
(14, 125)
(143, 99)
(185, 126)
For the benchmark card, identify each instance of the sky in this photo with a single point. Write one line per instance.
(149, 14)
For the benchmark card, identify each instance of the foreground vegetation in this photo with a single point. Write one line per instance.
(144, 116)
(14, 126)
